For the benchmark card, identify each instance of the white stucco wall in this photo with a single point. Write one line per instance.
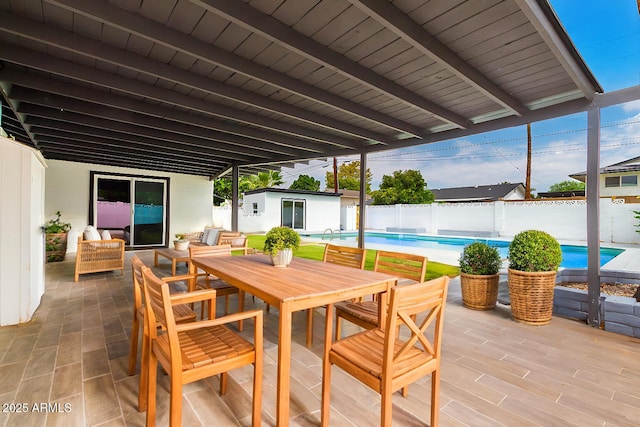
(21, 239)
(68, 190)
(321, 211)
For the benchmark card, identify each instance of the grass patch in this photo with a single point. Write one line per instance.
(315, 251)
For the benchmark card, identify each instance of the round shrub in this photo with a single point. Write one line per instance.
(534, 250)
(279, 238)
(481, 259)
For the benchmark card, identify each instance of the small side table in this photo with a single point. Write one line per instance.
(173, 255)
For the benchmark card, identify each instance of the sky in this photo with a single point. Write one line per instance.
(606, 33)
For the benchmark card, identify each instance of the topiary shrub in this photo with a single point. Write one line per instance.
(481, 259)
(534, 250)
(279, 238)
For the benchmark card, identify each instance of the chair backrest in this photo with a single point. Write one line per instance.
(196, 251)
(158, 310)
(225, 237)
(136, 273)
(425, 303)
(345, 255)
(407, 266)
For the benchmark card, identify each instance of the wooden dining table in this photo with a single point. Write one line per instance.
(304, 284)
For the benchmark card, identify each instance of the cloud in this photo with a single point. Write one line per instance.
(631, 107)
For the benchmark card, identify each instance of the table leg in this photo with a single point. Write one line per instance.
(173, 267)
(155, 258)
(284, 366)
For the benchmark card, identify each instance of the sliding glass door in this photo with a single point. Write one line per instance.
(131, 208)
(293, 214)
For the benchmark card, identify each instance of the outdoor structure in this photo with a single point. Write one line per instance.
(619, 179)
(208, 87)
(301, 210)
(480, 193)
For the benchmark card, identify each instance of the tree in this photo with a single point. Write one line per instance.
(567, 185)
(349, 177)
(406, 187)
(221, 191)
(305, 182)
(266, 179)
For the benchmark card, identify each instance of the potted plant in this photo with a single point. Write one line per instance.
(181, 243)
(534, 258)
(479, 278)
(280, 243)
(56, 238)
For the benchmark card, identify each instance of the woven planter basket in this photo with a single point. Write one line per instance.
(479, 292)
(57, 243)
(531, 295)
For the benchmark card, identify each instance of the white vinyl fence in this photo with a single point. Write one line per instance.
(563, 219)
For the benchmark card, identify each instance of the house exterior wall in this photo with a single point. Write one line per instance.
(21, 238)
(619, 191)
(68, 184)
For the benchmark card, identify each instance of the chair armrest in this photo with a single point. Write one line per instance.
(177, 278)
(243, 315)
(193, 296)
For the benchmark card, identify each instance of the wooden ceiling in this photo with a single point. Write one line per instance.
(196, 86)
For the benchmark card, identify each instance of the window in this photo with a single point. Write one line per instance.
(612, 181)
(621, 181)
(255, 207)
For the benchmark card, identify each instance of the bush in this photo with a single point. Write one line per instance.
(534, 250)
(480, 258)
(279, 238)
(54, 226)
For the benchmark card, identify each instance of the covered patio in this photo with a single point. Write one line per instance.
(494, 372)
(207, 88)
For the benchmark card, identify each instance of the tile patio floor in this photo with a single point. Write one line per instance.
(495, 372)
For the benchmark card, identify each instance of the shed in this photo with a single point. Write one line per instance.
(299, 209)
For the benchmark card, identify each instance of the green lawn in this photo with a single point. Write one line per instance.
(315, 251)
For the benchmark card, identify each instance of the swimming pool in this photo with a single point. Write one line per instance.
(572, 256)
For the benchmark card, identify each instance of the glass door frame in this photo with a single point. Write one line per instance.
(303, 202)
(93, 200)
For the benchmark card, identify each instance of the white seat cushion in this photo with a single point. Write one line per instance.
(106, 235)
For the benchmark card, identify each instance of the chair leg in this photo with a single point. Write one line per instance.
(309, 328)
(385, 410)
(240, 309)
(133, 349)
(257, 391)
(145, 366)
(151, 389)
(435, 398)
(175, 409)
(223, 383)
(338, 328)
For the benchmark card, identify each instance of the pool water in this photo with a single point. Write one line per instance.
(572, 256)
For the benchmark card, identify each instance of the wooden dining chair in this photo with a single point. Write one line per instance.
(411, 268)
(193, 351)
(392, 357)
(204, 280)
(342, 255)
(181, 313)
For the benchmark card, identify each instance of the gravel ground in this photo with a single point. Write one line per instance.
(619, 289)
